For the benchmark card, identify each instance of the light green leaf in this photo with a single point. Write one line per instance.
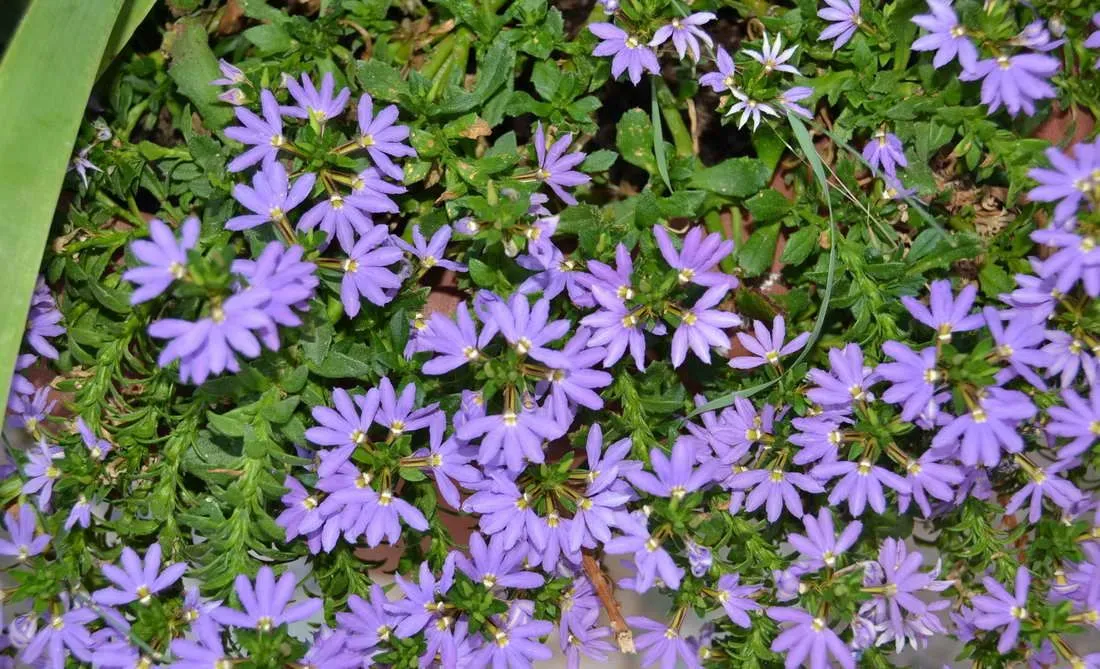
(193, 68)
(736, 177)
(132, 14)
(45, 79)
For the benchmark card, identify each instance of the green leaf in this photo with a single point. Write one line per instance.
(598, 161)
(130, 17)
(482, 274)
(769, 205)
(659, 140)
(546, 77)
(736, 177)
(799, 246)
(382, 80)
(344, 360)
(193, 68)
(634, 138)
(45, 78)
(269, 38)
(755, 257)
(494, 70)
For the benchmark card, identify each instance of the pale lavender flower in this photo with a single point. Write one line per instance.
(371, 193)
(288, 280)
(504, 509)
(515, 644)
(397, 413)
(946, 36)
(22, 542)
(1069, 180)
(767, 347)
(518, 437)
(366, 272)
(555, 166)
(1035, 35)
(30, 411)
(138, 579)
(43, 321)
(893, 580)
(721, 80)
(585, 638)
(204, 652)
(701, 327)
(1078, 420)
(339, 216)
(776, 488)
(808, 638)
(263, 135)
(81, 164)
(700, 558)
(367, 622)
(21, 385)
(861, 483)
(80, 514)
(846, 381)
(1069, 356)
(999, 609)
(821, 545)
(773, 57)
(845, 19)
(64, 634)
(616, 327)
(430, 253)
(555, 272)
(749, 108)
(529, 328)
(673, 477)
(928, 476)
(163, 258)
(894, 189)
(456, 342)
(301, 516)
(493, 566)
(981, 434)
(231, 74)
(885, 152)
(1018, 344)
(736, 599)
(421, 598)
(685, 34)
(1093, 41)
(789, 99)
(315, 105)
(914, 376)
(819, 437)
(662, 643)
(697, 261)
(1075, 258)
(1014, 82)
(381, 138)
(650, 559)
(266, 603)
(946, 313)
(344, 427)
(1042, 482)
(41, 472)
(630, 54)
(577, 383)
(271, 196)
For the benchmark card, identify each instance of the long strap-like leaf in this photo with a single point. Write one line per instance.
(45, 79)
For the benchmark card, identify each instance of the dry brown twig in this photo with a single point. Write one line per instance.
(606, 595)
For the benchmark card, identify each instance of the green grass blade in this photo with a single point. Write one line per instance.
(130, 17)
(45, 79)
(659, 140)
(807, 146)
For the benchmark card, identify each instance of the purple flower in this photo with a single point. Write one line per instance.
(884, 152)
(1015, 82)
(1079, 420)
(138, 580)
(1042, 482)
(584, 638)
(946, 36)
(80, 514)
(861, 484)
(1000, 609)
(555, 273)
(766, 346)
(928, 476)
(1035, 35)
(845, 19)
(736, 598)
(421, 603)
(808, 638)
(650, 559)
(662, 643)
(378, 515)
(988, 428)
(330, 651)
(775, 487)
(1070, 180)
(366, 272)
(555, 165)
(788, 100)
(21, 385)
(301, 516)
(528, 328)
(30, 411)
(847, 380)
(772, 56)
(343, 217)
(1017, 344)
(288, 281)
(894, 189)
(267, 603)
(630, 54)
(701, 327)
(447, 460)
(1069, 356)
(685, 33)
(43, 321)
(821, 546)
(271, 196)
(617, 327)
(1093, 42)
(674, 477)
(381, 138)
(97, 448)
(368, 623)
(749, 108)
(914, 377)
(63, 631)
(457, 342)
(207, 346)
(515, 644)
(41, 472)
(81, 164)
(344, 427)
(946, 313)
(204, 652)
(576, 384)
(431, 253)
(504, 509)
(371, 193)
(231, 74)
(1077, 257)
(264, 135)
(22, 543)
(721, 80)
(164, 259)
(313, 104)
(700, 255)
(893, 580)
(494, 566)
(518, 436)
(396, 413)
